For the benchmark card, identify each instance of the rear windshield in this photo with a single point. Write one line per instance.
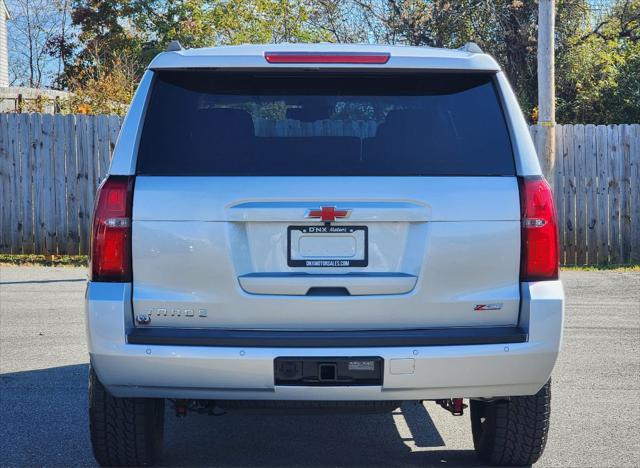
(324, 124)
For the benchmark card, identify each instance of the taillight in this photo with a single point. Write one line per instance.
(111, 234)
(327, 57)
(540, 245)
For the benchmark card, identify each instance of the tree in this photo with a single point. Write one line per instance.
(622, 22)
(107, 88)
(504, 28)
(596, 56)
(599, 72)
(33, 24)
(143, 28)
(345, 21)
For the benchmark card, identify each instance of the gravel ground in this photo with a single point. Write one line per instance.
(43, 415)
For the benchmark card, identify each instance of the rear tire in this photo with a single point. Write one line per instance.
(512, 432)
(124, 431)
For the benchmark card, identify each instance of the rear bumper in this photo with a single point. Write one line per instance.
(418, 371)
(326, 339)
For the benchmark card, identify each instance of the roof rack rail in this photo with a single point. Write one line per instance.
(174, 46)
(472, 48)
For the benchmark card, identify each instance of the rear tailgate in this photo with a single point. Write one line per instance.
(438, 247)
(248, 217)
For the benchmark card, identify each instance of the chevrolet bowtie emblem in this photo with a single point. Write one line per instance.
(327, 213)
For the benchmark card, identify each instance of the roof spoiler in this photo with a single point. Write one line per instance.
(472, 48)
(174, 46)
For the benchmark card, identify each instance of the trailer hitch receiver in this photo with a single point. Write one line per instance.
(454, 406)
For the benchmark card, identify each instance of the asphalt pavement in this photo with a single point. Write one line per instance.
(43, 393)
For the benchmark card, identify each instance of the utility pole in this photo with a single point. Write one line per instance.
(546, 86)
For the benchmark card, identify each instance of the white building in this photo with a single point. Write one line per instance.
(4, 49)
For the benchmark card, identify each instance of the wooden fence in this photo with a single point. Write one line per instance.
(597, 192)
(51, 165)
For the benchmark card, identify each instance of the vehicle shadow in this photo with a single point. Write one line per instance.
(310, 440)
(44, 422)
(69, 280)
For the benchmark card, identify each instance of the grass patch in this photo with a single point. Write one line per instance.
(44, 260)
(612, 267)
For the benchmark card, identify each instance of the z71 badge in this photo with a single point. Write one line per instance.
(488, 306)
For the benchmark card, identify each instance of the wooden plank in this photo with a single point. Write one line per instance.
(307, 129)
(292, 128)
(372, 128)
(92, 166)
(84, 185)
(100, 122)
(558, 189)
(16, 130)
(95, 150)
(38, 182)
(48, 185)
(60, 186)
(16, 195)
(8, 203)
(539, 144)
(26, 181)
(625, 193)
(38, 138)
(6, 181)
(114, 130)
(35, 130)
(533, 131)
(5, 185)
(9, 185)
(579, 164)
(101, 131)
(591, 172)
(634, 171)
(602, 193)
(91, 161)
(569, 195)
(11, 197)
(279, 130)
(71, 142)
(614, 157)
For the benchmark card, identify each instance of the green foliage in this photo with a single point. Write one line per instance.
(44, 260)
(624, 99)
(143, 28)
(598, 73)
(106, 88)
(265, 21)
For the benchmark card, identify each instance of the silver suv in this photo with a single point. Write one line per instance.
(326, 227)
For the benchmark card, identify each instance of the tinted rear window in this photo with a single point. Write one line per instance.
(324, 124)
